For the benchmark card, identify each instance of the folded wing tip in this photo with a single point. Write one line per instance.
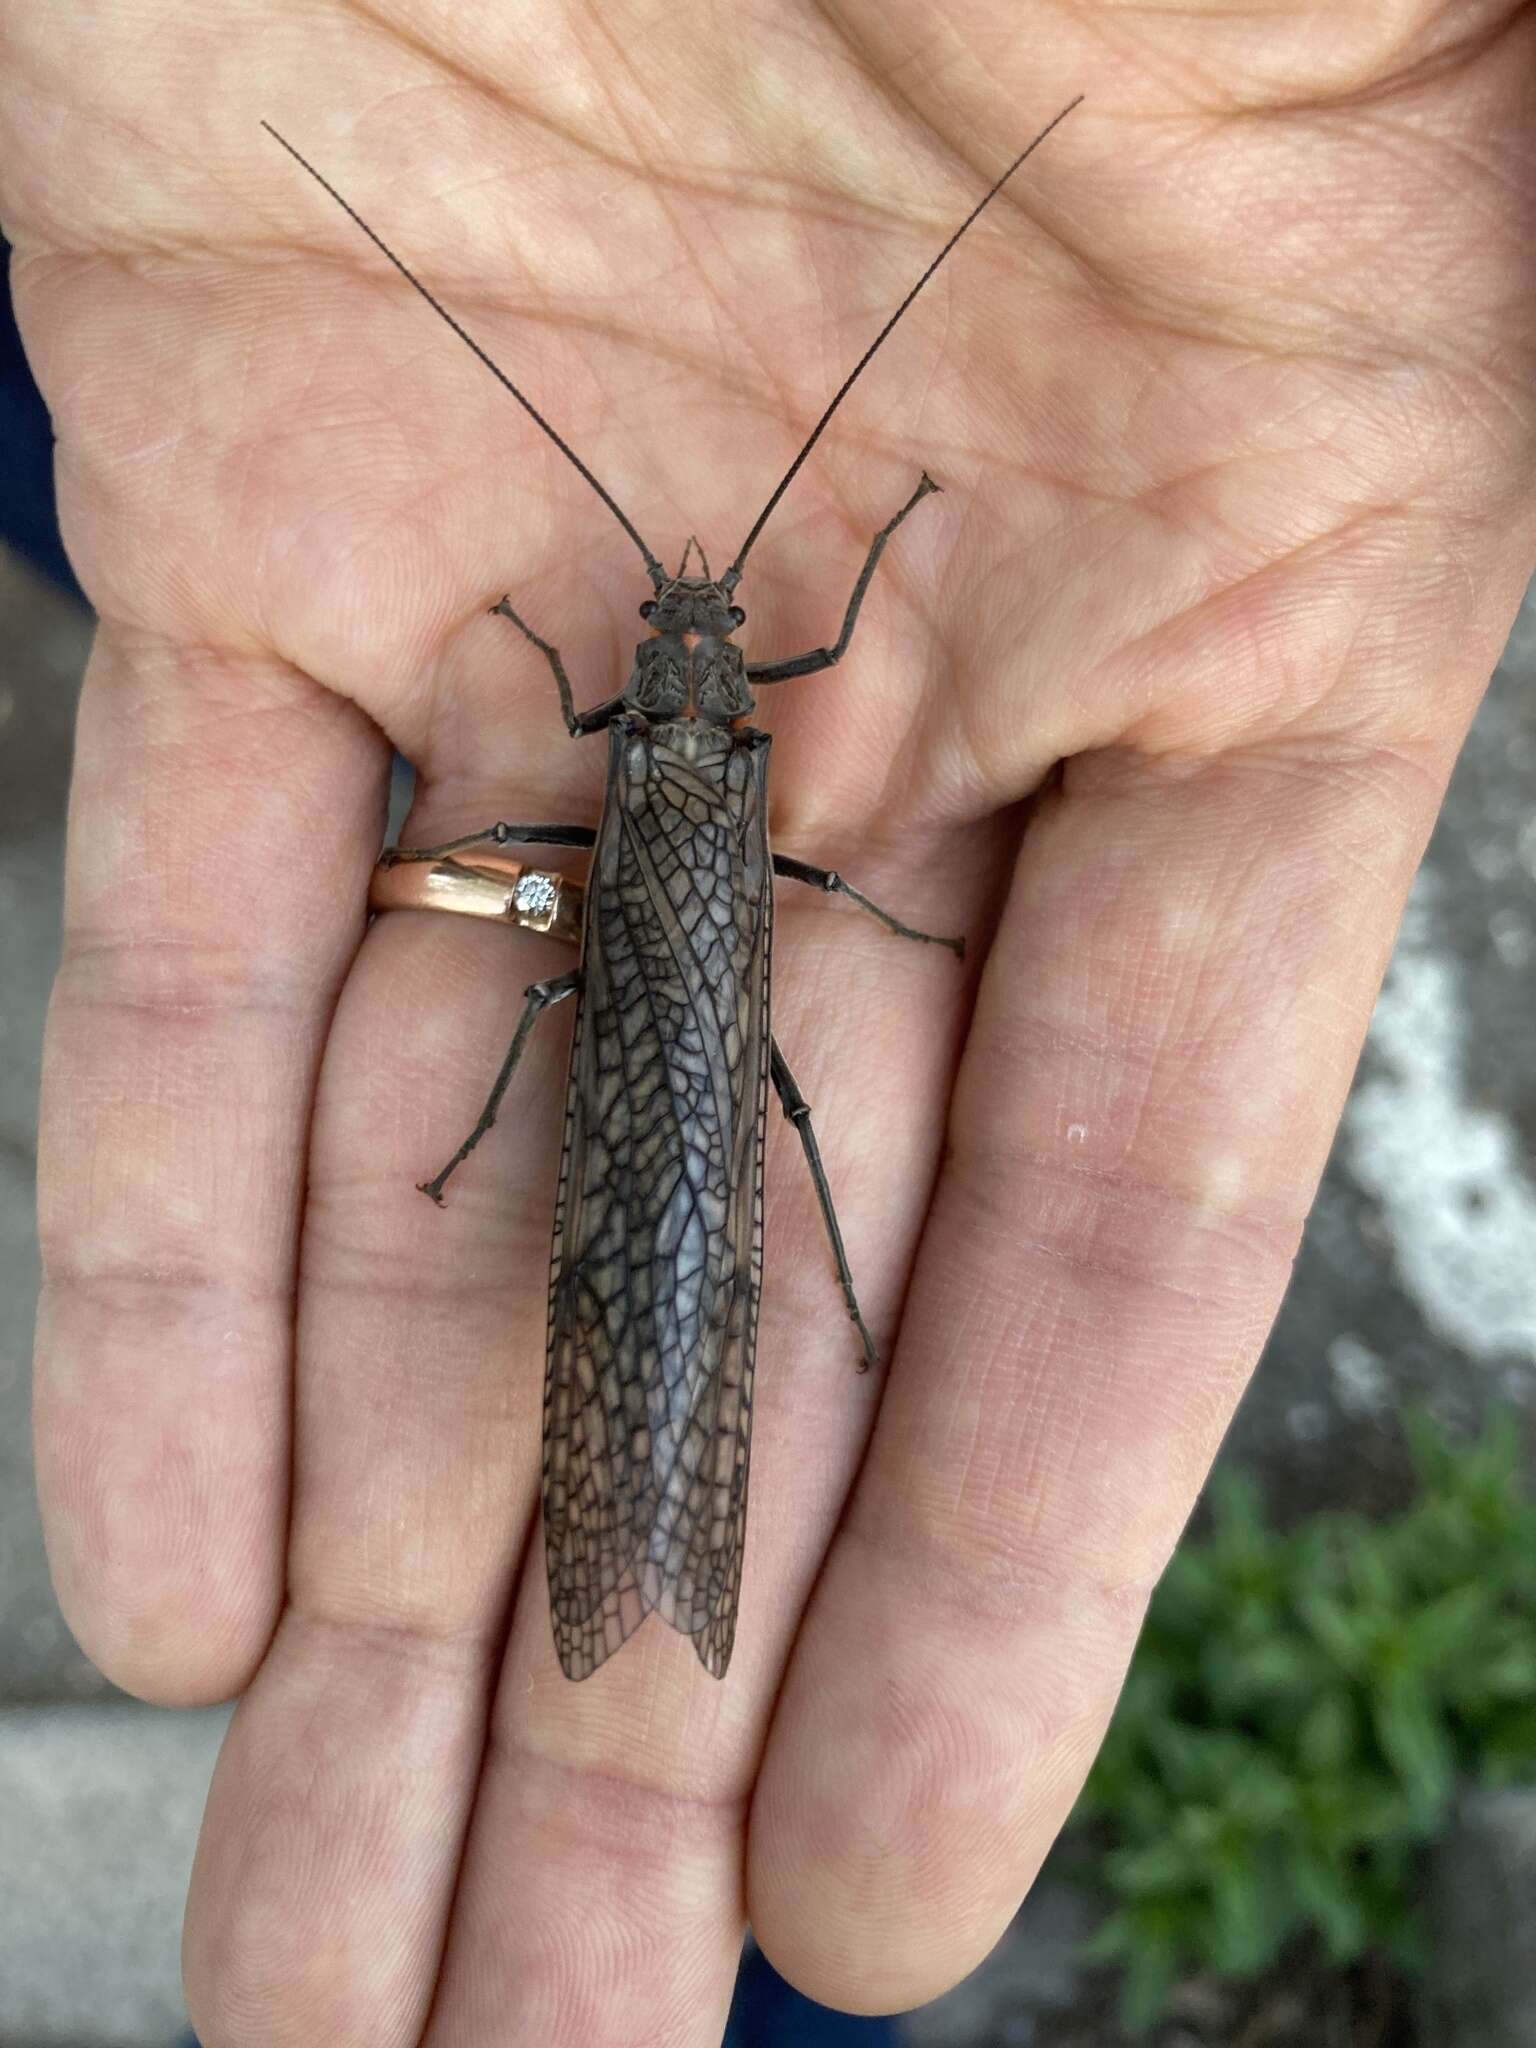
(585, 1645)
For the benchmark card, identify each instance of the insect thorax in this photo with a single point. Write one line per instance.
(690, 668)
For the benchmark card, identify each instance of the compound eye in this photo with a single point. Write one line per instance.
(737, 616)
(647, 608)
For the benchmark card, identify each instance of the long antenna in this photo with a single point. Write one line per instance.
(732, 575)
(658, 575)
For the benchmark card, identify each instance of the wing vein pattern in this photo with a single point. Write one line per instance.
(657, 1263)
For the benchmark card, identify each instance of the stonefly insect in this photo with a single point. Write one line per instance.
(657, 1262)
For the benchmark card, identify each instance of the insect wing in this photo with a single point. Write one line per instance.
(657, 1262)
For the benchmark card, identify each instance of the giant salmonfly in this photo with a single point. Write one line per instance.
(657, 1263)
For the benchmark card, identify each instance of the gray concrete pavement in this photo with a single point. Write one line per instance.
(101, 1804)
(46, 639)
(1417, 1274)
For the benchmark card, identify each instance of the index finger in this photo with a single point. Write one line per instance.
(1164, 1037)
(223, 818)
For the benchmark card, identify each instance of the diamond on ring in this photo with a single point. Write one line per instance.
(535, 895)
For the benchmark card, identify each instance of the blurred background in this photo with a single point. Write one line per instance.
(1315, 1821)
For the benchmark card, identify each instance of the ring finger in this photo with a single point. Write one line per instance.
(335, 1825)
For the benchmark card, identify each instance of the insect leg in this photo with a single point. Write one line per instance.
(576, 722)
(540, 996)
(496, 835)
(829, 879)
(823, 657)
(798, 1111)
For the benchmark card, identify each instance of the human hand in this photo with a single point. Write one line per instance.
(1228, 394)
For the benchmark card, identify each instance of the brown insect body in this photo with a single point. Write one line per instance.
(690, 668)
(657, 1261)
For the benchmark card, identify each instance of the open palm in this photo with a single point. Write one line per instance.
(1229, 398)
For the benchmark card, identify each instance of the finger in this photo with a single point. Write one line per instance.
(1165, 1034)
(335, 1824)
(213, 899)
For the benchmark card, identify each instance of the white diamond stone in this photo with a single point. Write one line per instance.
(534, 895)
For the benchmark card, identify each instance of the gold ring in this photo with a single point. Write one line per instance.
(486, 886)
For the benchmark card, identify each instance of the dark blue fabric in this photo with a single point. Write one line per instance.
(27, 519)
(766, 2013)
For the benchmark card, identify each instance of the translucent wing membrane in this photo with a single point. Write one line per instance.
(657, 1263)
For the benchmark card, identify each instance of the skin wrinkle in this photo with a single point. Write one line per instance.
(1389, 81)
(1263, 1233)
(1317, 546)
(1466, 156)
(641, 1802)
(374, 1278)
(1010, 1582)
(198, 664)
(1139, 1270)
(1117, 773)
(1156, 313)
(1308, 551)
(118, 1282)
(689, 182)
(173, 970)
(334, 1201)
(971, 174)
(418, 1287)
(465, 1650)
(168, 1004)
(320, 1603)
(1093, 1265)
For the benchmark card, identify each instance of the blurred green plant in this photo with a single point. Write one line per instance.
(1300, 1709)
